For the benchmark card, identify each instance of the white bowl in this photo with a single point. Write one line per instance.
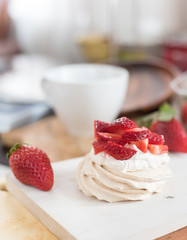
(81, 93)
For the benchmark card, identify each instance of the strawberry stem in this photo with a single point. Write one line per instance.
(165, 113)
(147, 120)
(14, 148)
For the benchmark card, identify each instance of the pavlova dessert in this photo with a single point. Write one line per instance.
(125, 162)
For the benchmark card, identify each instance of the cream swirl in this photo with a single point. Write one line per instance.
(139, 161)
(114, 180)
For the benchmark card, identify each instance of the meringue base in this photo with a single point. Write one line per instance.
(114, 186)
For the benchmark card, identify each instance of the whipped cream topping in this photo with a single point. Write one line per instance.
(139, 161)
(112, 180)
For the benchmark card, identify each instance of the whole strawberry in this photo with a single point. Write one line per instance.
(174, 134)
(184, 113)
(31, 166)
(164, 123)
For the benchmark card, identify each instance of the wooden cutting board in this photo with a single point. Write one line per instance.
(71, 215)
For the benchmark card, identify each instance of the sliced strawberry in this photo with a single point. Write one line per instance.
(134, 135)
(99, 126)
(98, 145)
(142, 145)
(120, 125)
(118, 152)
(155, 138)
(113, 137)
(158, 149)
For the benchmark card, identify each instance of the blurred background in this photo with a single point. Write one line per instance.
(69, 30)
(149, 38)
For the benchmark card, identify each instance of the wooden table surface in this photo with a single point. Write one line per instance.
(50, 135)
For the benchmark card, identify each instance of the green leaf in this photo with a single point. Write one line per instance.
(166, 112)
(147, 120)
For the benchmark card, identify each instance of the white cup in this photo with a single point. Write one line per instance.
(81, 93)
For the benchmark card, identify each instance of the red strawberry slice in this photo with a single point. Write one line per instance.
(113, 137)
(100, 126)
(120, 125)
(118, 152)
(155, 138)
(158, 149)
(31, 166)
(142, 145)
(98, 145)
(134, 135)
